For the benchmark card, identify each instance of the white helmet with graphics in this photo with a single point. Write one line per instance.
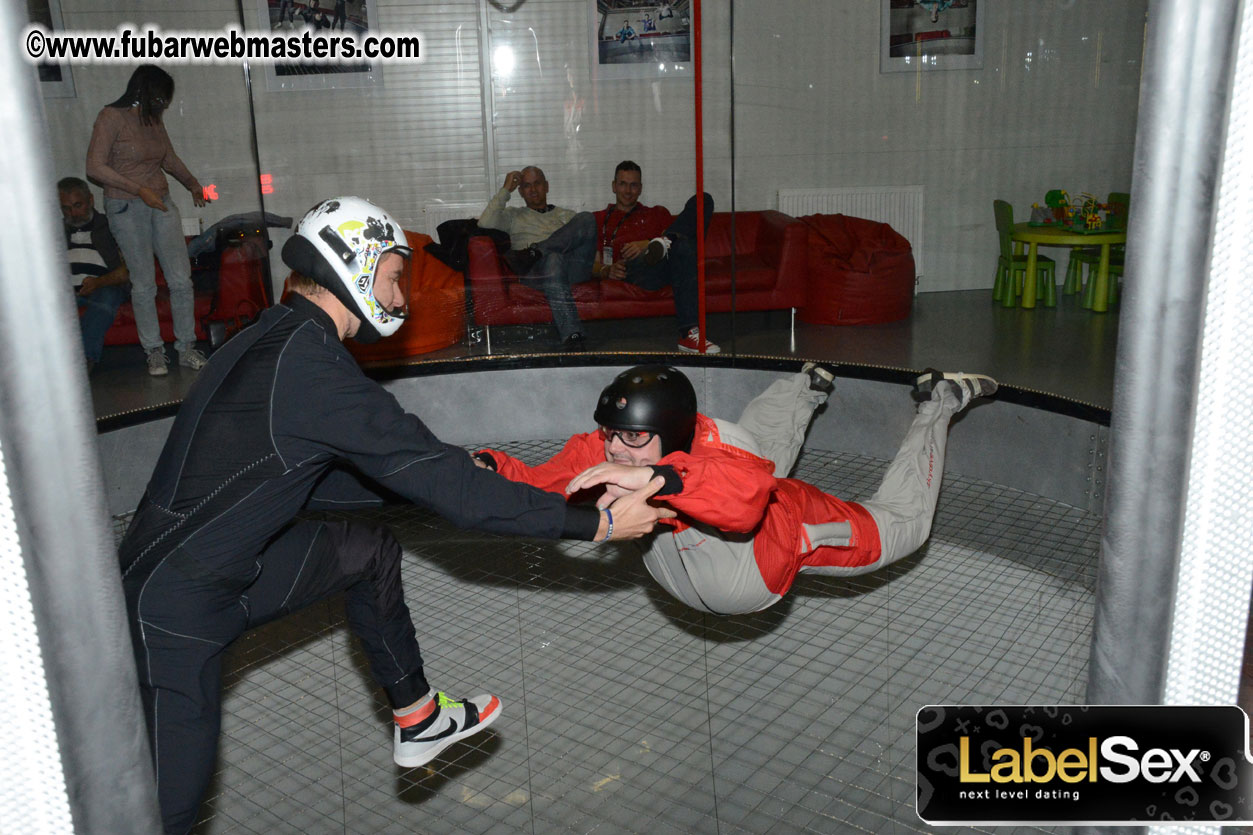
(338, 244)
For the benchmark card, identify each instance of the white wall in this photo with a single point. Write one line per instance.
(1053, 106)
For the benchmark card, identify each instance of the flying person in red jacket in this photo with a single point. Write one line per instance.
(744, 530)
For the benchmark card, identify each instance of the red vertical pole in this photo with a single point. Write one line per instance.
(700, 175)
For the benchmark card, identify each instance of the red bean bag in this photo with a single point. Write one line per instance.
(437, 309)
(860, 272)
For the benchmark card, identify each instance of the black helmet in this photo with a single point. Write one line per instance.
(651, 398)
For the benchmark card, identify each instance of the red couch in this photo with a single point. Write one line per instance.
(238, 298)
(770, 271)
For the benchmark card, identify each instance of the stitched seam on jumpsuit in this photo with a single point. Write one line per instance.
(156, 715)
(166, 510)
(274, 382)
(303, 563)
(180, 634)
(260, 488)
(170, 531)
(183, 462)
(394, 661)
(411, 463)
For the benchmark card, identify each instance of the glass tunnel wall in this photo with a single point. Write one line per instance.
(811, 110)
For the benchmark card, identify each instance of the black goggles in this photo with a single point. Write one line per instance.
(630, 437)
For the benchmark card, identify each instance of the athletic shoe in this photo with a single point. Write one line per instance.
(521, 260)
(658, 249)
(193, 359)
(966, 386)
(448, 720)
(691, 343)
(821, 378)
(157, 365)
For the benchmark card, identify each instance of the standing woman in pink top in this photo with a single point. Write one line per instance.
(128, 155)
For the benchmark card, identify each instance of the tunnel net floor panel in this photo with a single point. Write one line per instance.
(626, 712)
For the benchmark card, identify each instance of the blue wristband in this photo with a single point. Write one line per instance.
(608, 533)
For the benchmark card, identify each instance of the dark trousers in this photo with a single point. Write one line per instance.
(184, 615)
(99, 310)
(567, 260)
(678, 269)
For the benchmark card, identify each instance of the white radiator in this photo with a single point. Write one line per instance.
(437, 213)
(898, 206)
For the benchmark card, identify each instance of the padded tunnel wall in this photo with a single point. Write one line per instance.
(1012, 444)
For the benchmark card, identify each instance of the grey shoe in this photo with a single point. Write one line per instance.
(157, 364)
(967, 387)
(451, 719)
(193, 359)
(821, 378)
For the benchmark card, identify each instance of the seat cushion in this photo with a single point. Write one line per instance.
(751, 273)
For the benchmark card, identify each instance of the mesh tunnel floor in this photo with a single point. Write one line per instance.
(626, 712)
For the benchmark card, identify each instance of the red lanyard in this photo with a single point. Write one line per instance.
(609, 239)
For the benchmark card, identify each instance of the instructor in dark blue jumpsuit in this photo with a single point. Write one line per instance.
(282, 419)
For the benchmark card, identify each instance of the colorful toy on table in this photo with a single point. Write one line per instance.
(1080, 215)
(1057, 198)
(1041, 216)
(1059, 201)
(1088, 211)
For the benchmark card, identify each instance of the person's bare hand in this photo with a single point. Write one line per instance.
(622, 475)
(513, 179)
(634, 249)
(88, 286)
(633, 516)
(617, 271)
(151, 199)
(611, 494)
(197, 195)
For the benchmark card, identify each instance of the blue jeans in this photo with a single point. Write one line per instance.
(141, 231)
(678, 269)
(568, 256)
(99, 309)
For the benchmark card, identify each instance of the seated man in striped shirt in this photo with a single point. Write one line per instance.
(99, 276)
(553, 248)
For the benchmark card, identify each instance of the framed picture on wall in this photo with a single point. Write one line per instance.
(639, 39)
(917, 35)
(55, 80)
(328, 17)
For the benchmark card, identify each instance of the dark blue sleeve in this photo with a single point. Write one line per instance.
(355, 419)
(343, 489)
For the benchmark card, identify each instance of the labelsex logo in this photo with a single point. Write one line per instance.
(1072, 765)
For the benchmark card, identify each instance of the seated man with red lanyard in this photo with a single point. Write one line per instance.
(651, 249)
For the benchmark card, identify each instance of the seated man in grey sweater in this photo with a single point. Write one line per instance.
(553, 248)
